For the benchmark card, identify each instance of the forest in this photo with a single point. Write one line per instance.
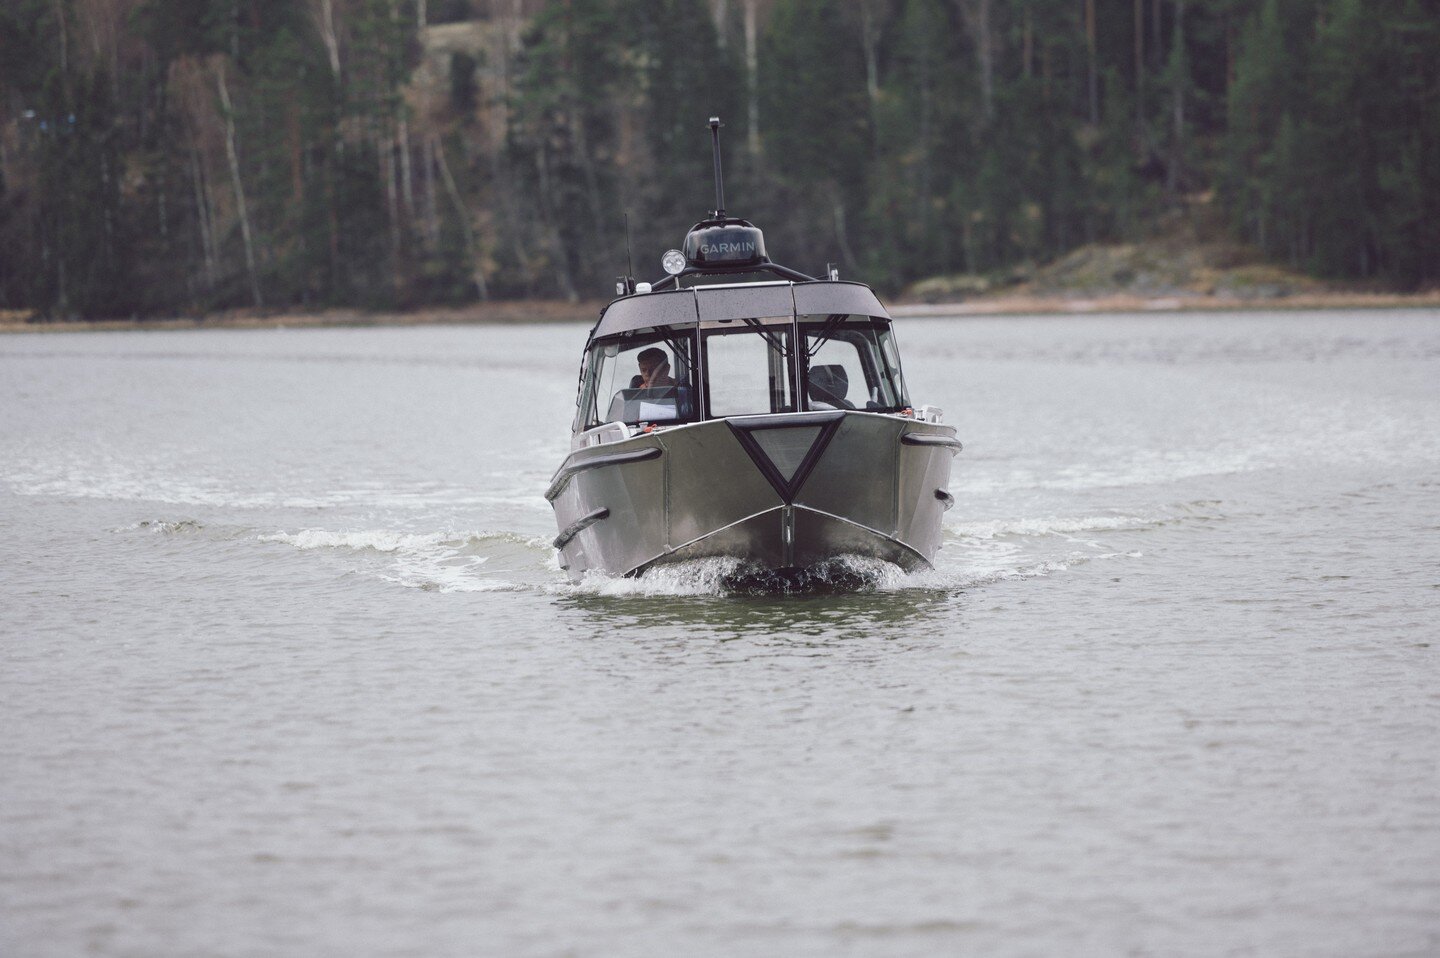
(166, 157)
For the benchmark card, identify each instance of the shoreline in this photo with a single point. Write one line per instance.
(553, 311)
(1014, 305)
(477, 314)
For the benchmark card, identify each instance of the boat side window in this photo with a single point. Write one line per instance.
(747, 371)
(640, 379)
(885, 336)
(850, 362)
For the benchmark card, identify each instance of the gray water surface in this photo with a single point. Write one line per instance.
(287, 666)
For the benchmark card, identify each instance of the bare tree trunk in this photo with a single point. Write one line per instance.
(62, 299)
(870, 39)
(407, 174)
(64, 40)
(1140, 64)
(234, 157)
(1046, 72)
(1229, 54)
(587, 166)
(421, 17)
(385, 148)
(162, 214)
(517, 23)
(205, 216)
(505, 197)
(98, 29)
(752, 73)
(1094, 74)
(510, 23)
(976, 14)
(987, 59)
(557, 245)
(432, 215)
(1177, 155)
(922, 195)
(295, 150)
(477, 274)
(325, 21)
(1027, 45)
(1157, 51)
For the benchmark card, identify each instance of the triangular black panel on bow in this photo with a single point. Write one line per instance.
(786, 448)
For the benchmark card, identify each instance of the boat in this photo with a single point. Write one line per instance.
(741, 409)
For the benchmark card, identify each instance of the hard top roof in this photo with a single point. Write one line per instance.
(688, 307)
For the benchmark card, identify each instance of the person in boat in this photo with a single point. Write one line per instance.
(654, 370)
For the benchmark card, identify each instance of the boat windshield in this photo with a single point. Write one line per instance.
(642, 379)
(750, 368)
(850, 362)
(744, 367)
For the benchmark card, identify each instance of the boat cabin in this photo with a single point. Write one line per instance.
(712, 351)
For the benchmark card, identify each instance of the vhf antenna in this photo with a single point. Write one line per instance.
(625, 285)
(629, 263)
(719, 180)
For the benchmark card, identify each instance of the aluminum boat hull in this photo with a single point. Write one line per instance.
(785, 491)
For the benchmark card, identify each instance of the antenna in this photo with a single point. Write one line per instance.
(719, 180)
(625, 285)
(629, 263)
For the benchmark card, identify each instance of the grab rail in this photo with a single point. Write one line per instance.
(597, 462)
(929, 439)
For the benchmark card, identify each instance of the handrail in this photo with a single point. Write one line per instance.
(579, 526)
(598, 462)
(929, 439)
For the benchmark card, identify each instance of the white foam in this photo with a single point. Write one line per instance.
(172, 478)
(692, 577)
(163, 526)
(435, 562)
(378, 541)
(435, 575)
(721, 577)
(1048, 526)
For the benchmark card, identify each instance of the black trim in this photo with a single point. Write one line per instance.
(930, 439)
(829, 423)
(945, 497)
(761, 421)
(597, 462)
(579, 526)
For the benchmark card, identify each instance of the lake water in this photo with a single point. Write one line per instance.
(287, 666)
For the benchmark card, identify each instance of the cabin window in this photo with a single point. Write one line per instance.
(640, 379)
(748, 370)
(850, 363)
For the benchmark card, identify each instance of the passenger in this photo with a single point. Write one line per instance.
(654, 370)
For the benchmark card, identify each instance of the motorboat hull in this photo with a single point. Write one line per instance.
(782, 492)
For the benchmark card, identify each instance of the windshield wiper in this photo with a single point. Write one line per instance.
(773, 338)
(825, 333)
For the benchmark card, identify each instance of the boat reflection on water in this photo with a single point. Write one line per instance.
(738, 408)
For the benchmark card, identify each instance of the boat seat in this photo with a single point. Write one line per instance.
(829, 385)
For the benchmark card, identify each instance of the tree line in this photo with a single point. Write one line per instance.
(163, 156)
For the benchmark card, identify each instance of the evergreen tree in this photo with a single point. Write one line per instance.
(214, 153)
